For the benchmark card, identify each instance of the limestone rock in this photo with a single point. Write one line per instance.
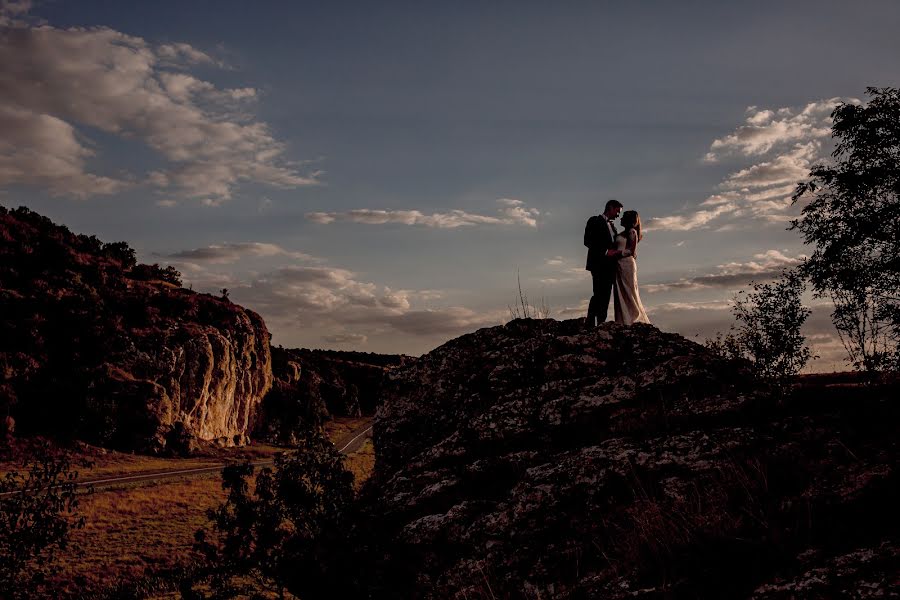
(97, 347)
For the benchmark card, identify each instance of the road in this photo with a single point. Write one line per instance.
(347, 445)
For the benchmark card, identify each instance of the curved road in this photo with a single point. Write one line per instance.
(347, 445)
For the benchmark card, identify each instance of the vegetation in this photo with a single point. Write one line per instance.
(37, 515)
(523, 309)
(283, 536)
(853, 219)
(767, 333)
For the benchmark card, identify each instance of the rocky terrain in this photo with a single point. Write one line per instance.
(98, 347)
(538, 460)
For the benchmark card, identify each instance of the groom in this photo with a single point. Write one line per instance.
(599, 237)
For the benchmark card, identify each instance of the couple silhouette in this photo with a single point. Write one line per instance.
(612, 261)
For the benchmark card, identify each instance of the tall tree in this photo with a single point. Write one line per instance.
(853, 219)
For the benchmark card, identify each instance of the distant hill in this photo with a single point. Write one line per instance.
(312, 386)
(97, 347)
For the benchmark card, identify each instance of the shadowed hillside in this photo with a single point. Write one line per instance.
(97, 347)
(538, 460)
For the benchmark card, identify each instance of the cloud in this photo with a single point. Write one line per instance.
(40, 149)
(354, 339)
(788, 140)
(787, 168)
(512, 212)
(766, 266)
(766, 129)
(232, 252)
(336, 306)
(57, 84)
(691, 221)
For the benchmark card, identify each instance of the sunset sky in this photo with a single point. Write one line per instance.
(373, 175)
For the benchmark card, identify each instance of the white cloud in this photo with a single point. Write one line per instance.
(790, 141)
(692, 221)
(56, 80)
(512, 212)
(230, 252)
(765, 129)
(787, 168)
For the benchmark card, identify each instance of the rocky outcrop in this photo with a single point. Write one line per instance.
(312, 386)
(95, 346)
(538, 460)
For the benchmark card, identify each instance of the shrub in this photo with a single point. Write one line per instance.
(37, 512)
(768, 335)
(287, 534)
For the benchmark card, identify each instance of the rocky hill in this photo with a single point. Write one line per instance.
(537, 460)
(98, 347)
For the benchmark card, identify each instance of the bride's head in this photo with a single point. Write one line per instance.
(632, 220)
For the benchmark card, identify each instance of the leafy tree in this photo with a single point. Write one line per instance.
(853, 218)
(37, 513)
(287, 534)
(767, 334)
(121, 252)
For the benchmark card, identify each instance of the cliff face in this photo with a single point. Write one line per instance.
(95, 346)
(312, 386)
(536, 460)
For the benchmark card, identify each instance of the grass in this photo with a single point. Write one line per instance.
(134, 531)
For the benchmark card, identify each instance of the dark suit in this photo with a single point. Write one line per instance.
(598, 240)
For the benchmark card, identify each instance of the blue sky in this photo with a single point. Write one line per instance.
(373, 175)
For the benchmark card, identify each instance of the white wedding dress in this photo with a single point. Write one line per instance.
(627, 304)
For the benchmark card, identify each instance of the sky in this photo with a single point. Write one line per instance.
(377, 175)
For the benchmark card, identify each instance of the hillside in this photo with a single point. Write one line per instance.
(537, 460)
(97, 347)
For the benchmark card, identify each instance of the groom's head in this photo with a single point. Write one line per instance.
(612, 210)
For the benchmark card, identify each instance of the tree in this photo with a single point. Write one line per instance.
(289, 534)
(768, 333)
(853, 219)
(37, 513)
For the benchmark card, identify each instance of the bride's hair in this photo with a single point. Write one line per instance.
(632, 220)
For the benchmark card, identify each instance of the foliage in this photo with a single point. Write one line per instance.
(154, 272)
(37, 513)
(768, 334)
(853, 218)
(286, 534)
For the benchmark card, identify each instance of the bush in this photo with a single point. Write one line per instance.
(768, 334)
(287, 534)
(37, 513)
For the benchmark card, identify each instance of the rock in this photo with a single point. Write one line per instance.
(96, 347)
(539, 460)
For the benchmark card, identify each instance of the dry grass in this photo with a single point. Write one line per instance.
(131, 532)
(361, 463)
(136, 530)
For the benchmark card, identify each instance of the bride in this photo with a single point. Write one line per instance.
(628, 307)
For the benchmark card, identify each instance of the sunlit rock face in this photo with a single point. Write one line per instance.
(99, 348)
(540, 460)
(210, 378)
